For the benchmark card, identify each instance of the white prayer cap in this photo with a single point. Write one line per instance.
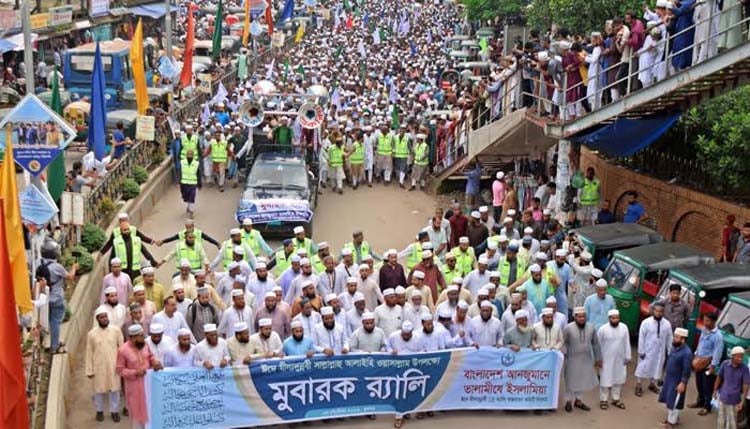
(596, 272)
(601, 283)
(551, 300)
(346, 251)
(511, 212)
(546, 311)
(407, 326)
(561, 252)
(494, 274)
(135, 329)
(546, 212)
(400, 290)
(304, 261)
(115, 261)
(482, 260)
(122, 216)
(203, 290)
(184, 263)
(298, 229)
(490, 286)
(426, 317)
(515, 295)
(528, 230)
(326, 311)
(100, 310)
(390, 252)
(535, 268)
(463, 240)
(277, 288)
(232, 265)
(508, 219)
(463, 305)
(235, 231)
(483, 292)
(661, 3)
(492, 245)
(358, 296)
(247, 221)
(484, 209)
(307, 283)
(296, 324)
(295, 258)
(445, 313)
(499, 175)
(452, 288)
(323, 245)
(331, 296)
(579, 310)
(681, 332)
(367, 257)
(542, 56)
(301, 252)
(156, 328)
(240, 279)
(265, 322)
(183, 331)
(502, 238)
(613, 312)
(240, 326)
(599, 34)
(364, 267)
(486, 304)
(541, 255)
(351, 280)
(475, 214)
(389, 291)
(269, 294)
(418, 274)
(238, 292)
(109, 290)
(368, 315)
(522, 314)
(426, 254)
(147, 270)
(209, 327)
(139, 288)
(738, 350)
(239, 250)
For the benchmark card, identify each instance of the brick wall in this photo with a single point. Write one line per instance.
(680, 214)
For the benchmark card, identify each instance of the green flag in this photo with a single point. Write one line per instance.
(347, 6)
(301, 71)
(394, 117)
(362, 72)
(337, 54)
(56, 169)
(216, 45)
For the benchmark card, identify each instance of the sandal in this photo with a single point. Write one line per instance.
(603, 405)
(653, 388)
(581, 405)
(638, 391)
(398, 423)
(618, 404)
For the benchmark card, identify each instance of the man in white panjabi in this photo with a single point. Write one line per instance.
(654, 341)
(102, 344)
(388, 316)
(614, 341)
(212, 351)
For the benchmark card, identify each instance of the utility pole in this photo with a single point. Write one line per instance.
(168, 24)
(28, 54)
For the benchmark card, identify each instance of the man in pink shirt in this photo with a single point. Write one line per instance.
(118, 280)
(133, 360)
(498, 196)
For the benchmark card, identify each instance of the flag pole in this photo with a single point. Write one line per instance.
(168, 27)
(28, 54)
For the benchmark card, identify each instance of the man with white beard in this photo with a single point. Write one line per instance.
(389, 316)
(614, 341)
(547, 335)
(354, 315)
(508, 318)
(414, 309)
(486, 330)
(519, 336)
(368, 338)
(461, 325)
(295, 287)
(367, 285)
(561, 320)
(654, 341)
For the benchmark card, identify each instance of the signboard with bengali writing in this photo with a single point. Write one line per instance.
(35, 207)
(98, 7)
(60, 15)
(279, 391)
(145, 128)
(275, 210)
(39, 20)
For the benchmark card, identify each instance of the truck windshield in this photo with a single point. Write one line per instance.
(735, 319)
(85, 63)
(623, 276)
(279, 176)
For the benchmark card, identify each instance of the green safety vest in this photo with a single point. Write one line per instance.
(196, 232)
(590, 192)
(505, 270)
(364, 248)
(401, 148)
(192, 254)
(189, 172)
(252, 240)
(189, 143)
(121, 251)
(307, 245)
(358, 155)
(282, 263)
(464, 260)
(229, 253)
(416, 255)
(335, 156)
(218, 151)
(384, 145)
(449, 274)
(317, 264)
(421, 154)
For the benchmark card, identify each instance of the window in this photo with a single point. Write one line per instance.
(735, 319)
(623, 276)
(84, 63)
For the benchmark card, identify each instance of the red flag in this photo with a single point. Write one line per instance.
(186, 77)
(349, 23)
(14, 410)
(269, 18)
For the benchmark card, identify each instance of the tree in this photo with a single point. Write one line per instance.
(578, 16)
(485, 10)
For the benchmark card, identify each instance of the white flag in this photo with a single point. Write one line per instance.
(376, 36)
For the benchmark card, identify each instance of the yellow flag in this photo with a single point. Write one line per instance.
(139, 75)
(300, 34)
(14, 229)
(246, 24)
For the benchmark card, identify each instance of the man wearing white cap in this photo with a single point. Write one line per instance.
(391, 274)
(306, 274)
(537, 288)
(414, 309)
(432, 278)
(676, 375)
(345, 269)
(368, 338)
(227, 254)
(279, 318)
(181, 355)
(116, 312)
(482, 295)
(582, 357)
(300, 241)
(127, 244)
(434, 336)
(508, 318)
(119, 280)
(367, 285)
(477, 278)
(265, 343)
(190, 250)
(579, 285)
(561, 320)
(332, 300)
(227, 282)
(403, 340)
(562, 272)
(654, 340)
(485, 219)
(155, 291)
(599, 305)
(389, 315)
(202, 312)
(102, 343)
(476, 230)
(158, 342)
(298, 344)
(486, 330)
(238, 344)
(330, 338)
(185, 280)
(170, 319)
(254, 239)
(133, 360)
(520, 336)
(465, 257)
(547, 335)
(418, 287)
(261, 283)
(346, 298)
(238, 312)
(212, 351)
(614, 341)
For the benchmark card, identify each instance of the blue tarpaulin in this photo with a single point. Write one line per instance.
(625, 137)
(154, 10)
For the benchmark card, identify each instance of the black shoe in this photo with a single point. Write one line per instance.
(99, 416)
(125, 412)
(568, 407)
(116, 417)
(370, 185)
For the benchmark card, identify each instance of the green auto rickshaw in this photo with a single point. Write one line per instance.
(602, 240)
(705, 289)
(635, 275)
(734, 321)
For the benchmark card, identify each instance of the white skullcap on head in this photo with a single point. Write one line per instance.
(122, 216)
(326, 311)
(445, 313)
(494, 274)
(601, 283)
(499, 175)
(358, 296)
(109, 290)
(331, 296)
(265, 322)
(323, 245)
(184, 263)
(247, 221)
(183, 331)
(304, 261)
(367, 257)
(546, 311)
(418, 274)
(147, 270)
(235, 231)
(407, 326)
(426, 254)
(520, 314)
(738, 350)
(490, 286)
(507, 219)
(277, 288)
(391, 252)
(238, 292)
(463, 240)
(546, 212)
(586, 255)
(475, 214)
(115, 261)
(299, 229)
(528, 230)
(535, 268)
(100, 310)
(452, 288)
(483, 260)
(561, 252)
(596, 272)
(135, 329)
(139, 288)
(613, 312)
(295, 258)
(240, 326)
(232, 265)
(270, 294)
(463, 305)
(551, 300)
(540, 255)
(492, 245)
(307, 283)
(351, 280)
(426, 317)
(156, 328)
(579, 310)
(483, 209)
(368, 315)
(483, 291)
(239, 250)
(302, 252)
(681, 332)
(346, 251)
(296, 324)
(209, 327)
(399, 290)
(486, 304)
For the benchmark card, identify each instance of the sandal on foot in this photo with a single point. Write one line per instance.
(581, 405)
(618, 404)
(603, 405)
(398, 423)
(653, 388)
(638, 391)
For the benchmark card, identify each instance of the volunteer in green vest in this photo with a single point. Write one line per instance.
(317, 259)
(190, 180)
(357, 160)
(336, 157)
(282, 259)
(200, 236)
(384, 160)
(413, 252)
(228, 249)
(401, 154)
(450, 269)
(127, 244)
(219, 157)
(511, 267)
(301, 242)
(590, 197)
(465, 257)
(189, 142)
(190, 250)
(360, 247)
(254, 239)
(421, 162)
